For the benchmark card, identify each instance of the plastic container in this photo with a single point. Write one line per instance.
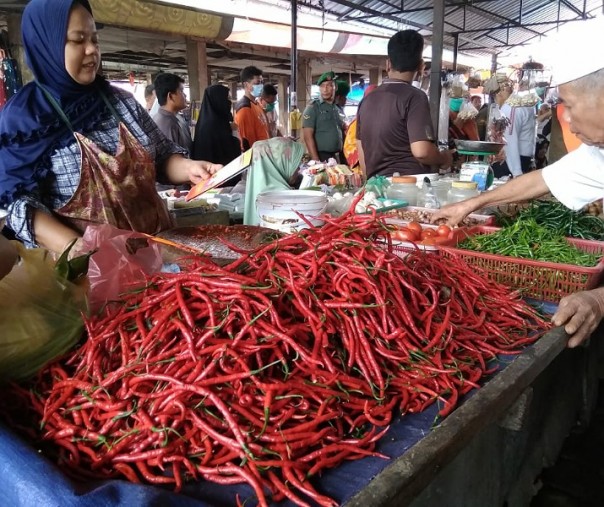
(544, 281)
(403, 188)
(480, 172)
(278, 209)
(441, 189)
(462, 190)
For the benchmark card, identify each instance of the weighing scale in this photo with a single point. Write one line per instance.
(482, 150)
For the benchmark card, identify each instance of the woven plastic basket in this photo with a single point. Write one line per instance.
(545, 281)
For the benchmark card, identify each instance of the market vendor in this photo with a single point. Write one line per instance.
(575, 180)
(74, 149)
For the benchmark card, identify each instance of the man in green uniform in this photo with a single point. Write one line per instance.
(321, 122)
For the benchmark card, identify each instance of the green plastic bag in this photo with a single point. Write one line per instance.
(40, 315)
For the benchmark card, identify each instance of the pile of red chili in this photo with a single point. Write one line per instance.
(284, 363)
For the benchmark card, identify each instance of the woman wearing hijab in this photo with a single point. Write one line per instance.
(214, 140)
(74, 150)
(275, 164)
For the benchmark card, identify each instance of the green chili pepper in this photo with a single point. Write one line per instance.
(527, 239)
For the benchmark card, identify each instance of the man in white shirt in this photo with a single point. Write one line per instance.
(519, 138)
(575, 180)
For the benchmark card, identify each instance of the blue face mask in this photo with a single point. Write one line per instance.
(270, 107)
(257, 89)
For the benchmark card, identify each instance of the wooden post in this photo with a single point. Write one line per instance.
(304, 83)
(375, 76)
(197, 64)
(283, 124)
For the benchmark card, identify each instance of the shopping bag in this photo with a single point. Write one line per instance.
(40, 315)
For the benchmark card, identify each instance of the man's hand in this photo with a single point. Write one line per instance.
(454, 213)
(580, 314)
(199, 170)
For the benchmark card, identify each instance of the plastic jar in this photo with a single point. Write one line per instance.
(462, 190)
(403, 188)
(441, 189)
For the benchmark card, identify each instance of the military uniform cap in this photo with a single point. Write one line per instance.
(326, 76)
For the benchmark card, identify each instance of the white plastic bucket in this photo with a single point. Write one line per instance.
(277, 209)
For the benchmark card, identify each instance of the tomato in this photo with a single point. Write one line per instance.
(428, 233)
(443, 230)
(416, 227)
(440, 240)
(429, 240)
(405, 234)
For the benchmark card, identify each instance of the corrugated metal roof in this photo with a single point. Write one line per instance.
(482, 26)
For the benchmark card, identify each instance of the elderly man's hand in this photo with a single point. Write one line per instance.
(453, 213)
(580, 314)
(200, 170)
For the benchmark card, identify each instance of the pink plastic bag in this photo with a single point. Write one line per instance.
(122, 262)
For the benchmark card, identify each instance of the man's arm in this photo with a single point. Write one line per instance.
(427, 153)
(246, 128)
(525, 187)
(308, 134)
(512, 146)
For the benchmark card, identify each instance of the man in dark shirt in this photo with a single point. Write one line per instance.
(394, 128)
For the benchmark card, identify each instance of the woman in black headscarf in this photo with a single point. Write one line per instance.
(214, 140)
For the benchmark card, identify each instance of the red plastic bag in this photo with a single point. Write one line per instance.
(122, 262)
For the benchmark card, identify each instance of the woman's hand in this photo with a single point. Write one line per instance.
(580, 314)
(181, 170)
(200, 170)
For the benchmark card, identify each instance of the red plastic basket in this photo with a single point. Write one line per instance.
(545, 281)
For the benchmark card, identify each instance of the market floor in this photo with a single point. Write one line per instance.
(577, 478)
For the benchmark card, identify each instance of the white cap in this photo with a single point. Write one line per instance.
(578, 53)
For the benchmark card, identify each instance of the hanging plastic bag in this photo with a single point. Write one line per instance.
(122, 262)
(40, 315)
(467, 111)
(12, 77)
(2, 83)
(496, 125)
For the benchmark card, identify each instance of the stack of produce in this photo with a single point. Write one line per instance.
(282, 364)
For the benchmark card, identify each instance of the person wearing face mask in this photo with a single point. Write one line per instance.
(575, 180)
(322, 125)
(77, 151)
(394, 127)
(268, 102)
(249, 115)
